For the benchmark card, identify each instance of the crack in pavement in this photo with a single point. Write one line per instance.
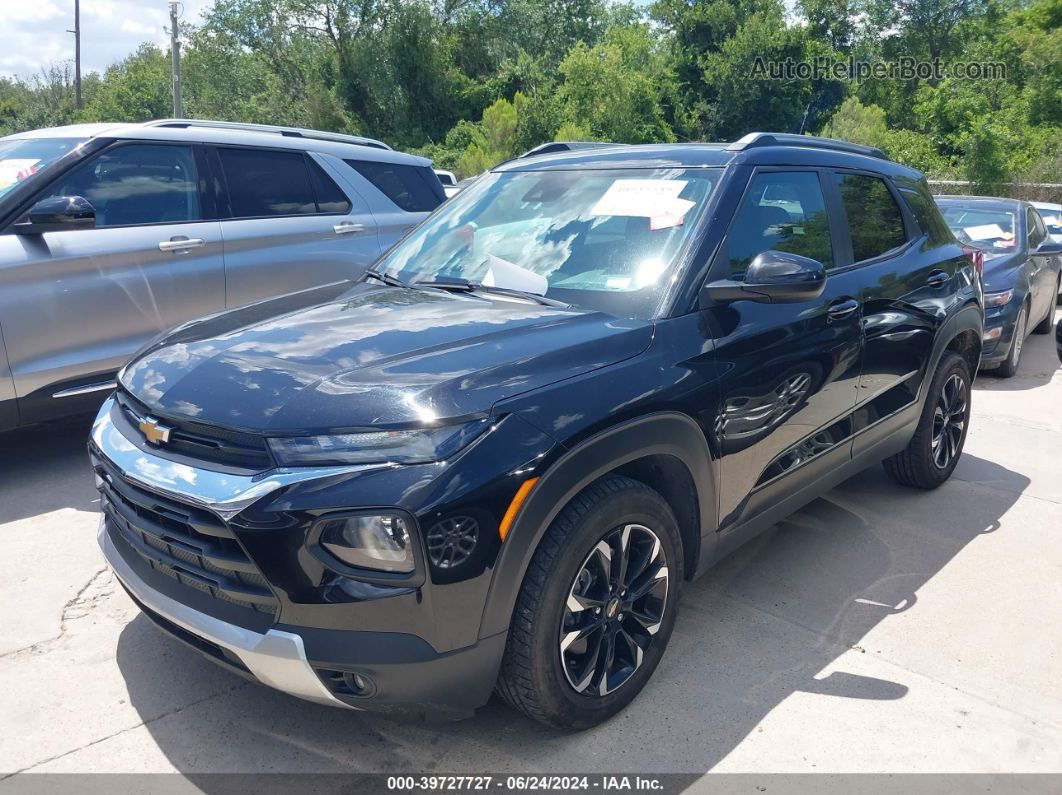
(114, 734)
(78, 602)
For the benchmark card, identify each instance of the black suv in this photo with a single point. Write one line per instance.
(492, 463)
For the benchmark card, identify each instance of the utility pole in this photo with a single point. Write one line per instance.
(77, 52)
(175, 51)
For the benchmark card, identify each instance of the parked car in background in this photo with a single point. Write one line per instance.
(1022, 272)
(111, 233)
(449, 182)
(1052, 215)
(582, 381)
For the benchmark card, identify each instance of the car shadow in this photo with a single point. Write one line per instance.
(44, 468)
(1039, 362)
(760, 627)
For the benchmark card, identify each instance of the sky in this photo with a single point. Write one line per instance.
(33, 32)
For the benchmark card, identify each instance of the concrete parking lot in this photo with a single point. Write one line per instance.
(879, 629)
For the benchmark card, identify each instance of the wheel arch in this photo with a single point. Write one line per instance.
(666, 450)
(961, 333)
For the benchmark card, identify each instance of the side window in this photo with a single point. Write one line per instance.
(920, 200)
(874, 218)
(330, 198)
(137, 184)
(1036, 232)
(415, 189)
(265, 182)
(783, 211)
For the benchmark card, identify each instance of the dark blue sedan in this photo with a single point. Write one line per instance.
(1022, 272)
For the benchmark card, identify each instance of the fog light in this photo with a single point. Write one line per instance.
(992, 334)
(374, 541)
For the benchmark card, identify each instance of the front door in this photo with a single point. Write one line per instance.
(75, 304)
(289, 226)
(788, 372)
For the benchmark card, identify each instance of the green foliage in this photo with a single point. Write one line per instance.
(471, 82)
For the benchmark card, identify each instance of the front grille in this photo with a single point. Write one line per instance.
(201, 441)
(189, 544)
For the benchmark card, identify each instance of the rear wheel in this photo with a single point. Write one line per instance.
(596, 608)
(931, 455)
(1009, 368)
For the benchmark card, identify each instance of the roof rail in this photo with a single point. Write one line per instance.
(290, 132)
(758, 139)
(563, 146)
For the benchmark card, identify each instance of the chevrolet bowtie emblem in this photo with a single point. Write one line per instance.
(154, 431)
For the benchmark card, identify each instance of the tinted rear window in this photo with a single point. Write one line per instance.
(415, 189)
(330, 199)
(267, 182)
(916, 193)
(874, 218)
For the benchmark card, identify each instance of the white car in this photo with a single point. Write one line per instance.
(449, 182)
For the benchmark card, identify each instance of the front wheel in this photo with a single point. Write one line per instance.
(931, 455)
(596, 608)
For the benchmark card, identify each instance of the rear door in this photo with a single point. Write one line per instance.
(75, 304)
(909, 281)
(401, 194)
(287, 224)
(1043, 281)
(789, 372)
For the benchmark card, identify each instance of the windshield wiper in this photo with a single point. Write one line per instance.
(459, 285)
(385, 278)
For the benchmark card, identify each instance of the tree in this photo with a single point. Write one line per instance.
(614, 90)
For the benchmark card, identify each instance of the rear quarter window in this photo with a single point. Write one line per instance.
(919, 199)
(415, 189)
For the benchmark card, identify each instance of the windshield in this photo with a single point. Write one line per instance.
(992, 231)
(21, 158)
(604, 240)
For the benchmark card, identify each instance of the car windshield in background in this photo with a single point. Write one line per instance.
(21, 158)
(606, 240)
(992, 231)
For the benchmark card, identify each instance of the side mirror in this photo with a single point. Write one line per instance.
(773, 277)
(58, 214)
(1049, 246)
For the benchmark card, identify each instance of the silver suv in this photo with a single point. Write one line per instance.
(111, 233)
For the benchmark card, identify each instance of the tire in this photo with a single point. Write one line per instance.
(918, 465)
(1045, 325)
(1009, 367)
(538, 671)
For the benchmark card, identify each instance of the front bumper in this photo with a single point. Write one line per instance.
(276, 658)
(406, 675)
(418, 645)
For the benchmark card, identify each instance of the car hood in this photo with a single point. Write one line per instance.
(373, 357)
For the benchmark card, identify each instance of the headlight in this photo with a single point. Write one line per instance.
(998, 299)
(376, 447)
(380, 541)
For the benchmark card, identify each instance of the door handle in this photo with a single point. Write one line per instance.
(180, 243)
(937, 279)
(842, 309)
(348, 228)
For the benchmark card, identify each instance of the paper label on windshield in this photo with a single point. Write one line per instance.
(15, 169)
(985, 232)
(641, 198)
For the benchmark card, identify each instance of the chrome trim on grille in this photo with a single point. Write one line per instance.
(223, 493)
(277, 658)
